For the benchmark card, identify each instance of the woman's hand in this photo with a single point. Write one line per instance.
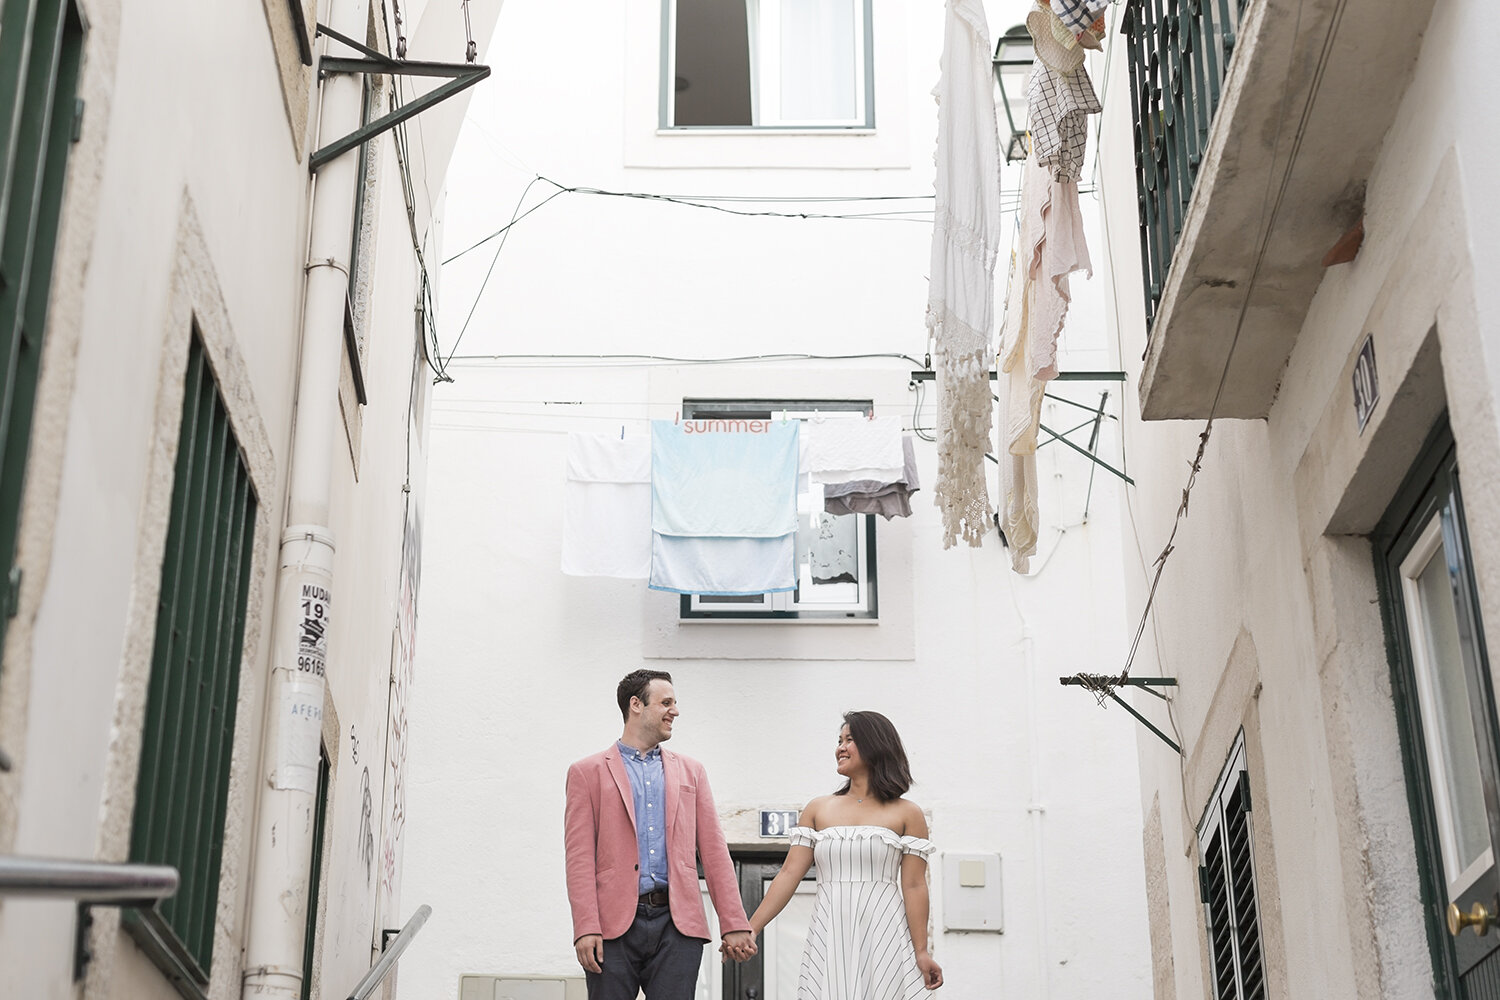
(932, 973)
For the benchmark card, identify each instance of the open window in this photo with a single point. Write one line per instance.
(767, 64)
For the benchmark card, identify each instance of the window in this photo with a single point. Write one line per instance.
(767, 64)
(38, 76)
(1227, 884)
(835, 552)
(315, 877)
(191, 701)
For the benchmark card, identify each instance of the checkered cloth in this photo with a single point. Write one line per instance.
(1077, 14)
(1057, 107)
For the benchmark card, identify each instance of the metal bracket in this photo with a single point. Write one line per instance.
(1094, 682)
(461, 76)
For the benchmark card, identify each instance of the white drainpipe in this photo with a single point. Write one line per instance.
(280, 872)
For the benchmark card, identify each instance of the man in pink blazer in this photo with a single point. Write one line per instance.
(638, 818)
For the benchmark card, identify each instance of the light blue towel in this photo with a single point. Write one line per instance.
(723, 507)
(713, 483)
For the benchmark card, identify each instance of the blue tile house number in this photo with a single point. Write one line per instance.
(777, 822)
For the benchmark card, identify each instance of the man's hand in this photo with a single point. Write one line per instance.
(590, 949)
(738, 945)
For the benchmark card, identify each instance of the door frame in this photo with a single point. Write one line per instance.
(1432, 479)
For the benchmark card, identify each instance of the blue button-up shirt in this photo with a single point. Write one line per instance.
(648, 790)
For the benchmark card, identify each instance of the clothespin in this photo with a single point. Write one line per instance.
(676, 415)
(783, 416)
(622, 432)
(870, 414)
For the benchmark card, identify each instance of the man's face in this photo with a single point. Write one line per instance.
(659, 712)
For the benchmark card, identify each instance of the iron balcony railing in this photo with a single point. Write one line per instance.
(1178, 52)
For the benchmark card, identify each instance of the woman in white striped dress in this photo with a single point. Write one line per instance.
(867, 939)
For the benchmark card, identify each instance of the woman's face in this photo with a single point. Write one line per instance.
(846, 754)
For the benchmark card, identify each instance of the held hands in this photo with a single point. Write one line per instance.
(932, 973)
(590, 949)
(738, 945)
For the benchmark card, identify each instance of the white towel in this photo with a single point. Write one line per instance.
(723, 566)
(607, 507)
(839, 450)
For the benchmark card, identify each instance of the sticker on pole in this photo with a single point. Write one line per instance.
(299, 735)
(312, 636)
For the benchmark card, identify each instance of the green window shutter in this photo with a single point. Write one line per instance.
(41, 48)
(1227, 885)
(188, 732)
(320, 819)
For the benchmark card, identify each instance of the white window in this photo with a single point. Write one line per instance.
(835, 552)
(767, 64)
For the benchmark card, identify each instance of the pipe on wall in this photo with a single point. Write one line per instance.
(287, 786)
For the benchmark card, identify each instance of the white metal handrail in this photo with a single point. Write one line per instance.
(91, 882)
(391, 955)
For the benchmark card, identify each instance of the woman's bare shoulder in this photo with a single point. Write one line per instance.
(913, 820)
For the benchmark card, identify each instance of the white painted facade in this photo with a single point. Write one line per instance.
(1268, 611)
(518, 663)
(186, 207)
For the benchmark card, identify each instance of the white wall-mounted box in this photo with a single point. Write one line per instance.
(522, 988)
(972, 898)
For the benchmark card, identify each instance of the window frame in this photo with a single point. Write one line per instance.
(785, 606)
(864, 78)
(209, 458)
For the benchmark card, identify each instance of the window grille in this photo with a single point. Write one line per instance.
(1227, 884)
(187, 737)
(39, 62)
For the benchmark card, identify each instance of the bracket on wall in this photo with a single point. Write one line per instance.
(461, 76)
(1099, 415)
(1103, 686)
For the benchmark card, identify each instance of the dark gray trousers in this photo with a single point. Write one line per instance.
(653, 955)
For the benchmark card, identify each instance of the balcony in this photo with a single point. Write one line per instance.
(1224, 93)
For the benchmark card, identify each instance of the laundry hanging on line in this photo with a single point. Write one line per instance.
(724, 509)
(607, 506)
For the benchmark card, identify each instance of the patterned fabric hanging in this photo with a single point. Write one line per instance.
(961, 296)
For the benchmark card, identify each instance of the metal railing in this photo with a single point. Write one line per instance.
(1178, 52)
(97, 883)
(391, 955)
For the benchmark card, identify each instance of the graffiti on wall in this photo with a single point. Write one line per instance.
(403, 658)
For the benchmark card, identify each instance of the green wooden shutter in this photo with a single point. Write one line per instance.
(1227, 885)
(41, 48)
(314, 883)
(188, 733)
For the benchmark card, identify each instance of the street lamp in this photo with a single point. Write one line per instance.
(1014, 54)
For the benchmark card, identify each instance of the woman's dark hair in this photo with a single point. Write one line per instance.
(881, 750)
(637, 684)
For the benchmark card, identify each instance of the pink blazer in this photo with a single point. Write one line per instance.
(603, 857)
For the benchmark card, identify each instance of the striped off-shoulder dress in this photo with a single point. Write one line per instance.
(858, 943)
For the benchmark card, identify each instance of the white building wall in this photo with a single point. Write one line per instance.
(1267, 611)
(518, 663)
(186, 203)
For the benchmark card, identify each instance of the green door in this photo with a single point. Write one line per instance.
(1446, 707)
(772, 973)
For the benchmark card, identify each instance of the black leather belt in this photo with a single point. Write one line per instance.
(656, 897)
